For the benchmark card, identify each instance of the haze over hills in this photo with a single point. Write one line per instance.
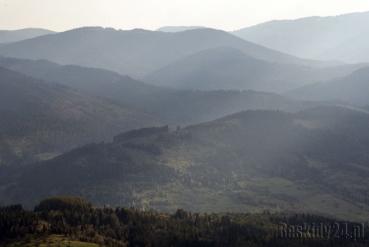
(135, 52)
(100, 104)
(177, 107)
(352, 50)
(312, 161)
(186, 135)
(352, 89)
(40, 119)
(97, 82)
(9, 36)
(244, 128)
(229, 68)
(340, 37)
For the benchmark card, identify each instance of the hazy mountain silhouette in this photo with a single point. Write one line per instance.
(98, 82)
(7, 36)
(230, 68)
(330, 38)
(243, 162)
(176, 29)
(39, 119)
(135, 52)
(352, 89)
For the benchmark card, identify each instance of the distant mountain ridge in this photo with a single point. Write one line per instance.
(230, 69)
(342, 37)
(136, 52)
(352, 89)
(9, 36)
(171, 106)
(175, 29)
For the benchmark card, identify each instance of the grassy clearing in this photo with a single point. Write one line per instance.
(51, 241)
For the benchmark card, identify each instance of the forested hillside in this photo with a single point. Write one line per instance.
(312, 161)
(40, 120)
(73, 222)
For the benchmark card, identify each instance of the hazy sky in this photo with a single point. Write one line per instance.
(150, 14)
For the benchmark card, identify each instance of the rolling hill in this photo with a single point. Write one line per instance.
(311, 161)
(352, 89)
(96, 82)
(40, 119)
(135, 52)
(319, 38)
(177, 107)
(230, 69)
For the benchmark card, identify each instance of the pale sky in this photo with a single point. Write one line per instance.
(60, 15)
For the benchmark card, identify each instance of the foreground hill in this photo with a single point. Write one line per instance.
(229, 68)
(312, 161)
(74, 222)
(39, 119)
(171, 106)
(352, 89)
(315, 37)
(135, 52)
(7, 36)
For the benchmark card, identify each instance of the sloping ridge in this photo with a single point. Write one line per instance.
(349, 89)
(135, 52)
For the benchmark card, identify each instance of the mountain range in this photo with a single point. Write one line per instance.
(172, 106)
(136, 52)
(49, 108)
(272, 118)
(194, 59)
